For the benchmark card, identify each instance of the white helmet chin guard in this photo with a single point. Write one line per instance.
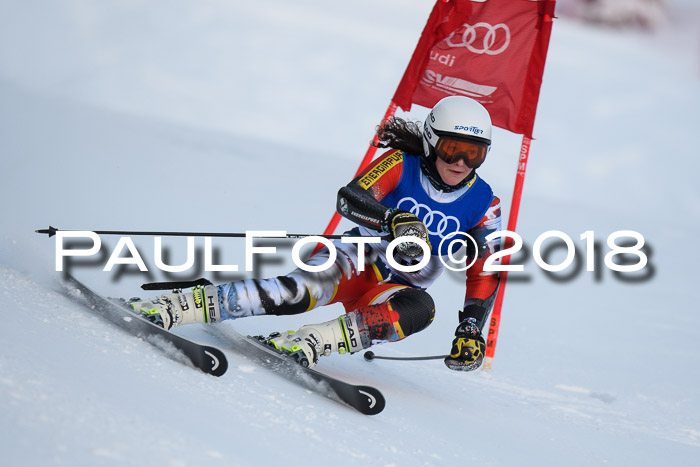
(459, 117)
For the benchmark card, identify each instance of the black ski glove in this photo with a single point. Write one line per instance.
(401, 223)
(468, 347)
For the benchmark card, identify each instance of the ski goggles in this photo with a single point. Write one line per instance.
(451, 150)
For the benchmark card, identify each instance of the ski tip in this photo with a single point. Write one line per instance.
(218, 364)
(375, 400)
(369, 355)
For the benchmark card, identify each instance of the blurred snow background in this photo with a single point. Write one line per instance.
(228, 116)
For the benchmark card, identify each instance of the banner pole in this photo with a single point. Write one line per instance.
(369, 155)
(512, 222)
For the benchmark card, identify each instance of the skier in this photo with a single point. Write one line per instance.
(424, 186)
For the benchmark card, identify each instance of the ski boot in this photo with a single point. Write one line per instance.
(311, 341)
(177, 308)
(468, 347)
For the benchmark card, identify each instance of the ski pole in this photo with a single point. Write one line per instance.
(369, 356)
(51, 231)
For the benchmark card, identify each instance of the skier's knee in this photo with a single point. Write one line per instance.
(415, 308)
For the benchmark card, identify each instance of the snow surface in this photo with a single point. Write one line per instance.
(228, 116)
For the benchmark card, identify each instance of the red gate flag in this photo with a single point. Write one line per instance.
(492, 51)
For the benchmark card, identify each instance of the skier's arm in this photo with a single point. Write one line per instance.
(482, 285)
(468, 346)
(360, 200)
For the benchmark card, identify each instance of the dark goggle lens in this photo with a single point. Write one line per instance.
(451, 150)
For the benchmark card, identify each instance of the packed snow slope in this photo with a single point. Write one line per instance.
(232, 116)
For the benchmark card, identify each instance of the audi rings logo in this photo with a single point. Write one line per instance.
(482, 38)
(436, 222)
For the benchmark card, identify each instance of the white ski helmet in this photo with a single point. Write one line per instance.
(459, 118)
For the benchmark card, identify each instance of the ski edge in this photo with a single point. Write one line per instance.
(367, 400)
(208, 359)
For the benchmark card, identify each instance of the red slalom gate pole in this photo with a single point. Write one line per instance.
(512, 222)
(369, 155)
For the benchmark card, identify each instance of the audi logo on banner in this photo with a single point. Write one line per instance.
(482, 38)
(436, 222)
